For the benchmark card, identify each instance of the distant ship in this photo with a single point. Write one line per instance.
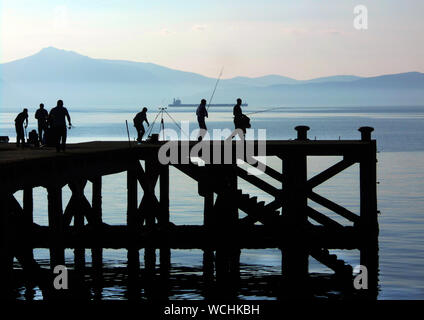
(177, 103)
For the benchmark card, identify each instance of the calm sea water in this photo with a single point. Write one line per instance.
(399, 132)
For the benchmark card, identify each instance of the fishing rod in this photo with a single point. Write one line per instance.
(214, 89)
(270, 109)
(128, 133)
(162, 111)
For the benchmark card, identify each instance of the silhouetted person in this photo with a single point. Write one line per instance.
(19, 126)
(201, 113)
(42, 115)
(138, 123)
(239, 118)
(33, 139)
(58, 124)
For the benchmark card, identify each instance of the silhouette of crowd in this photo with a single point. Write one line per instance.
(52, 128)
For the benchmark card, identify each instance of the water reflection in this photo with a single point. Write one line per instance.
(256, 282)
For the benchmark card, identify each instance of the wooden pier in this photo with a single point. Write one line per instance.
(284, 223)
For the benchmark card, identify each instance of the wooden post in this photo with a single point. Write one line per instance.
(208, 255)
(133, 253)
(295, 254)
(165, 252)
(28, 217)
(55, 210)
(97, 252)
(6, 254)
(228, 255)
(368, 225)
(151, 166)
(77, 188)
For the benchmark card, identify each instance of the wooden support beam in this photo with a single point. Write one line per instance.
(28, 216)
(368, 224)
(345, 213)
(6, 253)
(261, 184)
(150, 179)
(96, 202)
(132, 254)
(131, 197)
(271, 172)
(192, 170)
(57, 252)
(295, 254)
(199, 237)
(323, 219)
(208, 222)
(77, 187)
(165, 252)
(330, 172)
(97, 251)
(226, 211)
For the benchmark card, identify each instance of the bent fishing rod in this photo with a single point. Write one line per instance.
(214, 89)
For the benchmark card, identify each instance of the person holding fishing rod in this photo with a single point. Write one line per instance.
(19, 126)
(241, 121)
(201, 113)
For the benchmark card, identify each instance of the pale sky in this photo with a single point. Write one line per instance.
(301, 39)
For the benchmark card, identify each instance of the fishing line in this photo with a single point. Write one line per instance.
(149, 131)
(265, 110)
(177, 124)
(214, 89)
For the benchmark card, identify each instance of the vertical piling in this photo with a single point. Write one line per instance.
(6, 254)
(97, 252)
(79, 253)
(151, 168)
(133, 253)
(368, 210)
(227, 253)
(28, 219)
(55, 212)
(165, 251)
(208, 255)
(295, 254)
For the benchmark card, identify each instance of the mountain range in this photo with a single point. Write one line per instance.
(83, 81)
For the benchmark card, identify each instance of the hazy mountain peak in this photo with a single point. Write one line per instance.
(56, 52)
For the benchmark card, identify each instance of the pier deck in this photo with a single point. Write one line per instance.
(284, 223)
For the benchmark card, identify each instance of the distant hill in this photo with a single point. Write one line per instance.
(342, 78)
(83, 81)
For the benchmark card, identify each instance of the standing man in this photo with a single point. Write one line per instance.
(239, 118)
(42, 115)
(201, 113)
(138, 123)
(58, 124)
(19, 126)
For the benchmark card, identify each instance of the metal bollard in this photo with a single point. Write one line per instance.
(366, 133)
(302, 132)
